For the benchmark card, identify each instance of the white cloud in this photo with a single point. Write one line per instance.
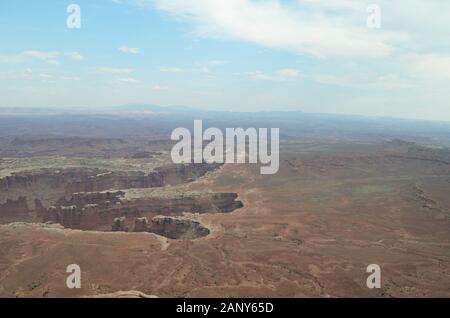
(391, 81)
(40, 54)
(431, 66)
(49, 57)
(43, 75)
(114, 70)
(75, 56)
(70, 78)
(171, 70)
(278, 76)
(288, 73)
(282, 25)
(354, 80)
(27, 73)
(129, 50)
(159, 88)
(202, 69)
(216, 62)
(129, 80)
(207, 66)
(334, 5)
(363, 81)
(27, 56)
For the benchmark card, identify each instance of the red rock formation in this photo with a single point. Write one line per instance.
(195, 203)
(95, 180)
(96, 211)
(119, 225)
(140, 225)
(177, 228)
(14, 208)
(78, 198)
(89, 217)
(102, 199)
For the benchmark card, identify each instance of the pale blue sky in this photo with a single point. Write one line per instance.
(240, 55)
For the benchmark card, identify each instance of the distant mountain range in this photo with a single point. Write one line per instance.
(151, 109)
(122, 109)
(145, 118)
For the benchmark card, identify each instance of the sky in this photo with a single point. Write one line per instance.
(236, 55)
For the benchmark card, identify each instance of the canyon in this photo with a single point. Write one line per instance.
(86, 200)
(81, 191)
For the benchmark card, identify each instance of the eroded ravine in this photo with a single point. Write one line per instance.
(100, 200)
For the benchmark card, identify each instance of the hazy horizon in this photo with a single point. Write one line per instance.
(241, 55)
(102, 109)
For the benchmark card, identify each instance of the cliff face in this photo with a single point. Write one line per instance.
(88, 217)
(160, 177)
(50, 178)
(94, 180)
(102, 200)
(140, 225)
(198, 203)
(119, 225)
(82, 199)
(177, 228)
(13, 208)
(97, 211)
(49, 185)
(45, 185)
